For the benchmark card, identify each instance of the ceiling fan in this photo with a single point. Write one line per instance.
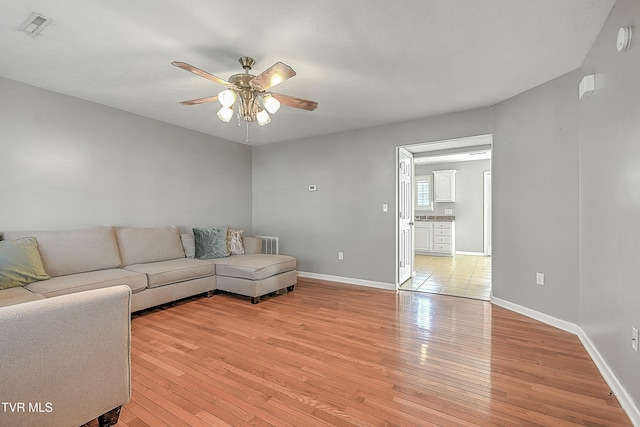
(254, 102)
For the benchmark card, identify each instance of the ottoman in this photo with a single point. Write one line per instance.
(255, 275)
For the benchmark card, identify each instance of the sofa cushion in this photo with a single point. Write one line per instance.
(254, 267)
(175, 270)
(211, 242)
(20, 263)
(17, 295)
(252, 245)
(189, 245)
(74, 251)
(141, 245)
(91, 280)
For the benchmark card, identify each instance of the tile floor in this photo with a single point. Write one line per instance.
(461, 275)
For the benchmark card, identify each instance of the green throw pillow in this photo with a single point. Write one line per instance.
(20, 263)
(211, 242)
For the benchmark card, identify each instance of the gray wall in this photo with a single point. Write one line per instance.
(566, 174)
(355, 173)
(469, 205)
(535, 199)
(68, 163)
(610, 198)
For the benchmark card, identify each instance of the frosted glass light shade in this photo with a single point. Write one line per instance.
(271, 104)
(227, 98)
(263, 118)
(225, 114)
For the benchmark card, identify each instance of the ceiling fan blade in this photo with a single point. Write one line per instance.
(273, 75)
(201, 73)
(200, 100)
(292, 101)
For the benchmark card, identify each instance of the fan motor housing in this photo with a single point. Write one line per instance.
(242, 80)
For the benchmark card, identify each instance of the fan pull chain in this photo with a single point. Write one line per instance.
(247, 132)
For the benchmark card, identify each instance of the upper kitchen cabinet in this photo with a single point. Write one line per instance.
(444, 185)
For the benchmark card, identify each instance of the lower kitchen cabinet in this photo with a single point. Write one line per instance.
(435, 238)
(423, 236)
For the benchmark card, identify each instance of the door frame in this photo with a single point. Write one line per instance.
(458, 143)
(487, 211)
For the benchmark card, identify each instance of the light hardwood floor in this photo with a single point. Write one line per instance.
(340, 355)
(466, 276)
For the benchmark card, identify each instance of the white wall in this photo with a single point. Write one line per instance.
(68, 163)
(469, 205)
(355, 173)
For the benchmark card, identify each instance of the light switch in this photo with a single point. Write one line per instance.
(385, 207)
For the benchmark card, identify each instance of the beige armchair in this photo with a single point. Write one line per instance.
(65, 360)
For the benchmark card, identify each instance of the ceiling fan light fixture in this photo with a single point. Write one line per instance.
(254, 103)
(227, 98)
(271, 104)
(225, 114)
(263, 118)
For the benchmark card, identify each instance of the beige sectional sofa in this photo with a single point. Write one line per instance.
(65, 360)
(67, 334)
(157, 264)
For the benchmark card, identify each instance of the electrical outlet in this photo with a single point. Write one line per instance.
(540, 279)
(634, 338)
(340, 256)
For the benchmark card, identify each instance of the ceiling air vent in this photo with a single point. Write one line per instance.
(35, 24)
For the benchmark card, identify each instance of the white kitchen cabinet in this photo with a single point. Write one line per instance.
(444, 238)
(423, 236)
(435, 238)
(444, 185)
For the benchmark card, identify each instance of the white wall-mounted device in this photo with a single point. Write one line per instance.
(313, 187)
(587, 86)
(625, 37)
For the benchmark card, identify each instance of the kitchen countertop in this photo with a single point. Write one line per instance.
(435, 218)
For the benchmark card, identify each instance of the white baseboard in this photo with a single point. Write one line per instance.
(348, 280)
(623, 397)
(612, 381)
(544, 318)
(469, 253)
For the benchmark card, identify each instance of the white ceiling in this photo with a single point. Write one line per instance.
(365, 62)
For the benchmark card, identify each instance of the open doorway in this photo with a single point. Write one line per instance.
(451, 228)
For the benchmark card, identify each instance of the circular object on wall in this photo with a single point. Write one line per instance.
(625, 35)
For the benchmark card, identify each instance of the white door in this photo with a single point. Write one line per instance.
(405, 215)
(487, 213)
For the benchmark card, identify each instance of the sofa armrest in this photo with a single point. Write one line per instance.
(66, 359)
(252, 245)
